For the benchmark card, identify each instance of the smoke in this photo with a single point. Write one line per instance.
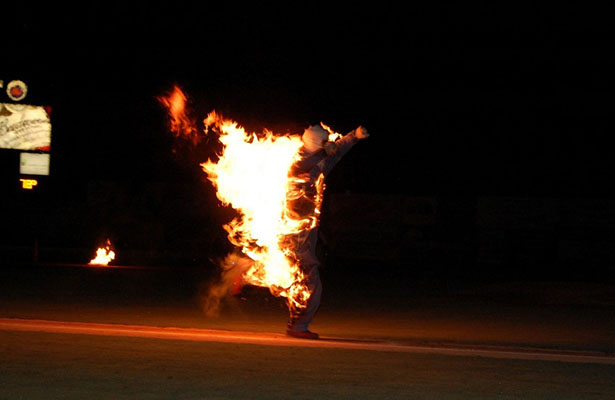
(227, 284)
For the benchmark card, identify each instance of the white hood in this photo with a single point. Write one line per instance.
(313, 138)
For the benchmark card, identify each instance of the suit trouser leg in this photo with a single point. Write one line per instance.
(301, 319)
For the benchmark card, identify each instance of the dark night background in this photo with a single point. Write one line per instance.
(488, 155)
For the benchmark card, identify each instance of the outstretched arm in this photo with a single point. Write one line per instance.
(342, 146)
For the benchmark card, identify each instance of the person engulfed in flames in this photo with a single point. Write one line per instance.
(276, 185)
(317, 157)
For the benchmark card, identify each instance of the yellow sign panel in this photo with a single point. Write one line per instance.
(28, 184)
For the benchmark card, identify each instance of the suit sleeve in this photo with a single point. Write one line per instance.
(343, 146)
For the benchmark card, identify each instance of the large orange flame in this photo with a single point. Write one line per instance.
(252, 176)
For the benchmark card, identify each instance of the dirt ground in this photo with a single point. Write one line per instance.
(60, 366)
(541, 315)
(548, 314)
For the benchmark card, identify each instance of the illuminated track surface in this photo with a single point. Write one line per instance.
(273, 339)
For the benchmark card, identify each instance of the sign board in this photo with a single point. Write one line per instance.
(28, 184)
(24, 127)
(34, 163)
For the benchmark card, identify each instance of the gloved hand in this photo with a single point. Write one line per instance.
(361, 133)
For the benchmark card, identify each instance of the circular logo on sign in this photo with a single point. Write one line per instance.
(16, 90)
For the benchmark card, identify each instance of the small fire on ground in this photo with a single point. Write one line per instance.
(104, 255)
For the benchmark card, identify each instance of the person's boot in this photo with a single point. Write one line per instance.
(302, 335)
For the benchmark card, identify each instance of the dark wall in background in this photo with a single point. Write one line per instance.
(455, 236)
